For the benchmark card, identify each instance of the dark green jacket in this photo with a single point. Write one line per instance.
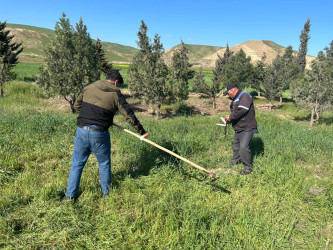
(99, 101)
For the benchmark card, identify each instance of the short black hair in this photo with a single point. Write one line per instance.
(114, 75)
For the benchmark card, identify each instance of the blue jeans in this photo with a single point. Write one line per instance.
(87, 141)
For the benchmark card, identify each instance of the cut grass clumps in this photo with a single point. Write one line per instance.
(157, 201)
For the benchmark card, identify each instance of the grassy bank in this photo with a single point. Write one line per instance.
(157, 201)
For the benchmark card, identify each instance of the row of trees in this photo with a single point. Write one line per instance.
(73, 59)
(150, 79)
(311, 88)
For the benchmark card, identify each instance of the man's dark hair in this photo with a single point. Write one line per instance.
(114, 75)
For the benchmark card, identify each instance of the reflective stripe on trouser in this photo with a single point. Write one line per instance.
(241, 147)
(97, 142)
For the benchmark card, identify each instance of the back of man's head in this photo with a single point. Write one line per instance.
(114, 75)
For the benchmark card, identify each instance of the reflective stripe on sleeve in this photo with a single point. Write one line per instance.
(240, 106)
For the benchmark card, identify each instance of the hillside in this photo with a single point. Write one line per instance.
(255, 49)
(197, 53)
(35, 40)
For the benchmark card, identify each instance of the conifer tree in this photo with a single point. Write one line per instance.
(148, 72)
(104, 65)
(315, 88)
(9, 52)
(259, 74)
(289, 71)
(180, 73)
(272, 79)
(303, 47)
(218, 73)
(71, 61)
(279, 75)
(238, 70)
(199, 85)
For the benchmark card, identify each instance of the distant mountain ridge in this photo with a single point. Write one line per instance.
(35, 40)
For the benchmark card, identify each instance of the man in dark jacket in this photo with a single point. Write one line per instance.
(244, 123)
(97, 104)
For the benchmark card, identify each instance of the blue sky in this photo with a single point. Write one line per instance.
(210, 22)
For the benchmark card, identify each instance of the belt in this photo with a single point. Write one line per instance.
(92, 128)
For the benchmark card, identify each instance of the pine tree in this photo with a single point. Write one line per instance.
(148, 72)
(218, 74)
(303, 47)
(219, 67)
(238, 70)
(280, 74)
(259, 74)
(315, 88)
(180, 73)
(272, 79)
(85, 59)
(288, 72)
(70, 61)
(9, 52)
(104, 65)
(199, 85)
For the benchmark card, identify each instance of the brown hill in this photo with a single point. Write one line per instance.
(255, 49)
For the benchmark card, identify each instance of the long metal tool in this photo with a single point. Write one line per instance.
(169, 152)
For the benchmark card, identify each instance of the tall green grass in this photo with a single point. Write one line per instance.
(27, 71)
(157, 201)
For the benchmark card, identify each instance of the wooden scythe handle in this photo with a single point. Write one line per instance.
(168, 151)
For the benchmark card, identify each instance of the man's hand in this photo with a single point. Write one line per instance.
(142, 137)
(227, 118)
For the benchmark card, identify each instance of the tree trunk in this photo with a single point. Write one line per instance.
(158, 110)
(280, 99)
(258, 93)
(71, 103)
(1, 79)
(158, 113)
(214, 102)
(314, 112)
(2, 94)
(72, 106)
(317, 110)
(312, 116)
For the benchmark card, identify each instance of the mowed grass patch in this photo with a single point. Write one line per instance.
(157, 201)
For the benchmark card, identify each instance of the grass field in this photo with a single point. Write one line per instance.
(27, 71)
(157, 201)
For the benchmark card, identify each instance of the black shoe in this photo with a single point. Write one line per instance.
(245, 171)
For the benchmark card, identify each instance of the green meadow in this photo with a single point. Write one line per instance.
(158, 201)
